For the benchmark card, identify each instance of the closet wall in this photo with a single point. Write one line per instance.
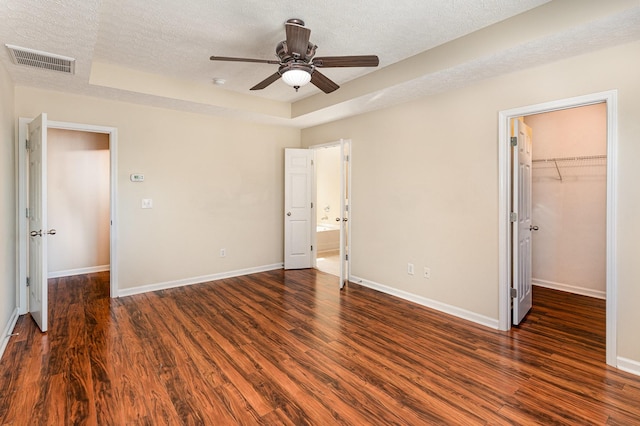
(569, 199)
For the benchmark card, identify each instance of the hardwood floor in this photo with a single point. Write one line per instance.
(286, 347)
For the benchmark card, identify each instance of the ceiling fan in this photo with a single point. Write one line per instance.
(297, 63)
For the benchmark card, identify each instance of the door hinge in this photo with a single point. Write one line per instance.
(514, 141)
(28, 281)
(312, 162)
(346, 158)
(346, 208)
(26, 144)
(514, 292)
(346, 257)
(27, 211)
(312, 205)
(513, 217)
(311, 248)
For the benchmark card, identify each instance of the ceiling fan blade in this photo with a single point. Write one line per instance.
(297, 39)
(267, 81)
(346, 61)
(260, 61)
(322, 82)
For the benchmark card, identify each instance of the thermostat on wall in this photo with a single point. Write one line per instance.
(137, 177)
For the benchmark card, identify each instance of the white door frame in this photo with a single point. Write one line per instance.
(21, 171)
(314, 195)
(504, 207)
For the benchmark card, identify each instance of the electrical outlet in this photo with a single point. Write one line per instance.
(427, 272)
(147, 203)
(410, 268)
(223, 252)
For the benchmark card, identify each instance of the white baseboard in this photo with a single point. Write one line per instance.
(197, 280)
(7, 331)
(429, 303)
(79, 271)
(570, 288)
(629, 365)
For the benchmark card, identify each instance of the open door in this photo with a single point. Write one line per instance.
(521, 220)
(345, 181)
(38, 232)
(297, 207)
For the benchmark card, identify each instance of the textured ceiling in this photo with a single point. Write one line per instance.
(174, 39)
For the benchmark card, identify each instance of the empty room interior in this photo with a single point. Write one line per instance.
(409, 212)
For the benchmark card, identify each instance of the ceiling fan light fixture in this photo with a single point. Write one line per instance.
(296, 78)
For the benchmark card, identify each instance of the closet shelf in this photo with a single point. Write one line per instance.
(581, 161)
(584, 157)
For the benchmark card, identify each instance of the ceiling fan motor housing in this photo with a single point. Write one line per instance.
(282, 50)
(295, 21)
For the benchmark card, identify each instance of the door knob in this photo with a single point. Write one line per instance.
(51, 232)
(533, 228)
(288, 213)
(337, 219)
(36, 233)
(345, 219)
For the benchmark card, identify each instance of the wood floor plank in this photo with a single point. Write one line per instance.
(139, 393)
(453, 382)
(194, 366)
(293, 392)
(426, 403)
(225, 354)
(236, 406)
(100, 347)
(288, 347)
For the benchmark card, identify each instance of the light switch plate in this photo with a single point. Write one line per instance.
(147, 203)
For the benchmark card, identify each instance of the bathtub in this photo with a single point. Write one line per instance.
(324, 227)
(328, 236)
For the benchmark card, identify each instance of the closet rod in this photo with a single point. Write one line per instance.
(555, 161)
(585, 157)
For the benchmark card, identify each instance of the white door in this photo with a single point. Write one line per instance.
(297, 208)
(522, 227)
(345, 189)
(38, 232)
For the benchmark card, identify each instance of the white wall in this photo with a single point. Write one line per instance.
(569, 249)
(433, 165)
(7, 208)
(215, 183)
(78, 201)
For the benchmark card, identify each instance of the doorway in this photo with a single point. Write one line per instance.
(505, 202)
(78, 202)
(23, 237)
(302, 213)
(569, 199)
(331, 195)
(327, 199)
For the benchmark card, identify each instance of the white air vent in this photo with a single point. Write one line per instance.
(44, 60)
